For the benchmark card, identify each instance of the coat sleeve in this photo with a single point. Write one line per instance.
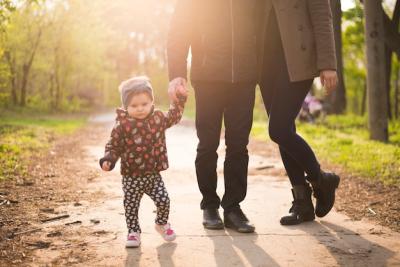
(179, 39)
(114, 146)
(321, 19)
(175, 112)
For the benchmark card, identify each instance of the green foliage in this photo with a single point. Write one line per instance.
(354, 57)
(85, 49)
(23, 136)
(6, 6)
(344, 140)
(394, 129)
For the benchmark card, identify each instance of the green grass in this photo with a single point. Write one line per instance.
(344, 140)
(23, 135)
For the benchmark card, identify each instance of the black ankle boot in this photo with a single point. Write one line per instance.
(324, 191)
(302, 209)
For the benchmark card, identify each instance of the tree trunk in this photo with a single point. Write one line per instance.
(57, 95)
(389, 53)
(57, 82)
(396, 92)
(14, 96)
(13, 80)
(338, 97)
(25, 75)
(396, 23)
(51, 91)
(391, 27)
(26, 69)
(376, 71)
(364, 98)
(388, 62)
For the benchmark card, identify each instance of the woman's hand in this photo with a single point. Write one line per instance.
(329, 80)
(106, 166)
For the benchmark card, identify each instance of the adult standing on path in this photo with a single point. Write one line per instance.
(296, 45)
(221, 35)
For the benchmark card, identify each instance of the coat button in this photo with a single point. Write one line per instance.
(303, 47)
(300, 27)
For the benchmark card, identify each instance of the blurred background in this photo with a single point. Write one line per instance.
(68, 57)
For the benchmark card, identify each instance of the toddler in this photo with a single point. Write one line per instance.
(138, 138)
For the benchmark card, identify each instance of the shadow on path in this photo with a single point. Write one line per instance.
(348, 248)
(164, 254)
(133, 257)
(240, 250)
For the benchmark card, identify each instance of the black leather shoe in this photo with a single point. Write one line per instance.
(302, 209)
(324, 191)
(236, 220)
(212, 220)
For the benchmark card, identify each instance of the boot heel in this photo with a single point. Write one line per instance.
(308, 217)
(337, 181)
(302, 209)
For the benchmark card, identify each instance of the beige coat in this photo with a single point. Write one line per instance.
(307, 36)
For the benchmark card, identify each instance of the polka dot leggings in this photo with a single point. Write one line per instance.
(134, 188)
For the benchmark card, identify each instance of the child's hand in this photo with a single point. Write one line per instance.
(106, 166)
(181, 90)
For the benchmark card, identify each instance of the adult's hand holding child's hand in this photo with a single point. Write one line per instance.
(106, 166)
(176, 85)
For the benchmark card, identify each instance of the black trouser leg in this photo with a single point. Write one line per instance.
(209, 111)
(286, 105)
(283, 100)
(238, 118)
(294, 171)
(234, 103)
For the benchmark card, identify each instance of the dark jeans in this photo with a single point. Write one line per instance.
(233, 104)
(283, 100)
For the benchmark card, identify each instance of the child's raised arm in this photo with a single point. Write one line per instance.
(175, 111)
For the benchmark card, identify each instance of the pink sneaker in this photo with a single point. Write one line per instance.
(133, 240)
(166, 232)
